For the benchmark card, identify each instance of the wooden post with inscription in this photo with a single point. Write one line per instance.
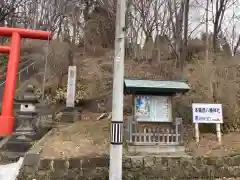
(71, 88)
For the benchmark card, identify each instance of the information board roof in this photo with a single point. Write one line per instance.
(154, 87)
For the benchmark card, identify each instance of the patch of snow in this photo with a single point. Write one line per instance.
(11, 171)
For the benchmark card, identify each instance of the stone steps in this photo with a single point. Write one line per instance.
(137, 168)
(15, 148)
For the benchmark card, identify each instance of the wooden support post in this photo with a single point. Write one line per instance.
(219, 134)
(196, 128)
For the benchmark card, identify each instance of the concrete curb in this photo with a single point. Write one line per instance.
(32, 157)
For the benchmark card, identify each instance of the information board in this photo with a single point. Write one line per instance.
(71, 88)
(207, 113)
(153, 108)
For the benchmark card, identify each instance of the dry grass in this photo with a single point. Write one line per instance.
(83, 138)
(96, 77)
(90, 137)
(57, 53)
(208, 145)
(95, 74)
(224, 76)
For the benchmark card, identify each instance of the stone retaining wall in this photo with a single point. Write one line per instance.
(135, 168)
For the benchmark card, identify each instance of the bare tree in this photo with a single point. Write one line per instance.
(178, 16)
(145, 18)
(220, 8)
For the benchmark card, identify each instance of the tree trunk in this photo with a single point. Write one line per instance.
(207, 34)
(185, 37)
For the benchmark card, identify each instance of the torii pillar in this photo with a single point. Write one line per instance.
(6, 118)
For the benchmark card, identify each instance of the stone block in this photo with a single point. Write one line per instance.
(31, 159)
(74, 163)
(127, 163)
(95, 162)
(72, 174)
(137, 162)
(235, 160)
(60, 164)
(44, 164)
(222, 172)
(148, 161)
(58, 174)
(95, 173)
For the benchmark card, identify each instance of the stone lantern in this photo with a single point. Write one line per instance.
(27, 114)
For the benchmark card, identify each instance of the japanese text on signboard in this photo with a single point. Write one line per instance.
(207, 113)
(210, 110)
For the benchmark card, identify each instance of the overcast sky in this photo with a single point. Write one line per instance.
(231, 18)
(197, 17)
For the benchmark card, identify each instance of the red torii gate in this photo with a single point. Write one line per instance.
(6, 118)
